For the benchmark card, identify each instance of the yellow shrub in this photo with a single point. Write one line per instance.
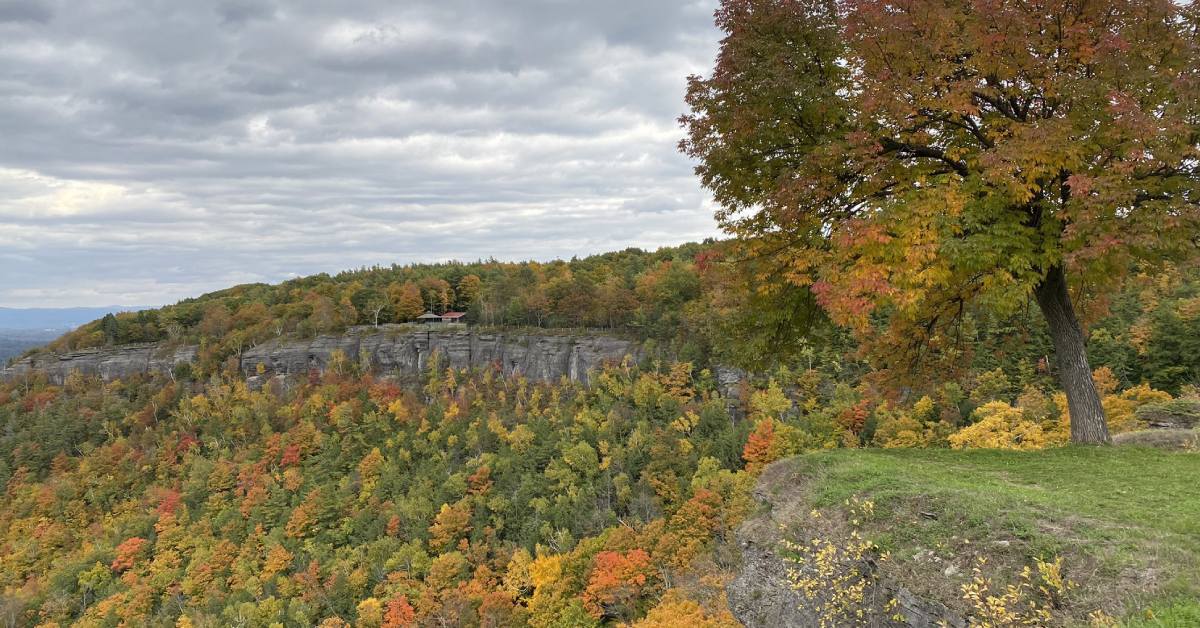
(1000, 426)
(1120, 408)
(676, 610)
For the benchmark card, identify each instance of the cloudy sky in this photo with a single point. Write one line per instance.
(156, 149)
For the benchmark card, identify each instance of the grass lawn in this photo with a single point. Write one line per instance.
(1125, 520)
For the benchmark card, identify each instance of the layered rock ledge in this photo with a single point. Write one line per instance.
(405, 351)
(107, 363)
(397, 349)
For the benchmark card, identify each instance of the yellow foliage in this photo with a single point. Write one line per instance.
(1120, 409)
(686, 423)
(370, 613)
(399, 410)
(1000, 426)
(450, 524)
(278, 558)
(678, 381)
(1105, 380)
(827, 571)
(920, 426)
(516, 575)
(293, 478)
(545, 570)
(676, 610)
(521, 438)
(770, 402)
(1027, 602)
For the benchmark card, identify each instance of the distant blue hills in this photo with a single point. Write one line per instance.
(58, 319)
(22, 329)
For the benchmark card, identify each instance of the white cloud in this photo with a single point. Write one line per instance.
(154, 151)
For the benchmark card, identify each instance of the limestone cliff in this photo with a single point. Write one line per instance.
(406, 351)
(389, 349)
(107, 363)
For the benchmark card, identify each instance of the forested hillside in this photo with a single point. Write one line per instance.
(480, 498)
(646, 294)
(700, 302)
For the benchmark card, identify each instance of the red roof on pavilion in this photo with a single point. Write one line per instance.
(454, 314)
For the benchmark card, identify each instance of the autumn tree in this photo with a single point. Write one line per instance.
(437, 294)
(912, 161)
(406, 301)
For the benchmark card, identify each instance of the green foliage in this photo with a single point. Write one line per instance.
(149, 501)
(639, 293)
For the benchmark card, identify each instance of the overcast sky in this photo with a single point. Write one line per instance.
(152, 150)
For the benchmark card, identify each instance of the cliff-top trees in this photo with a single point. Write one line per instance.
(910, 160)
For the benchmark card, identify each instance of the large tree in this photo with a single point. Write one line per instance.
(912, 160)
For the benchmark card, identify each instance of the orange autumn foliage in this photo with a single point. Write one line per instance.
(757, 452)
(616, 582)
(400, 613)
(127, 553)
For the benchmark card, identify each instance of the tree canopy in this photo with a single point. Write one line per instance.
(909, 161)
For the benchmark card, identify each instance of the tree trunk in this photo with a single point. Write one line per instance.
(1070, 353)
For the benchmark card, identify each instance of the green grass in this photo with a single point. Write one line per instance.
(1125, 520)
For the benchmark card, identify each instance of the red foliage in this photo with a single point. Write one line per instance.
(39, 400)
(168, 503)
(854, 418)
(127, 553)
(291, 456)
(706, 258)
(186, 442)
(384, 393)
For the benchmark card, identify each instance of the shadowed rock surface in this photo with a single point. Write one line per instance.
(389, 349)
(108, 363)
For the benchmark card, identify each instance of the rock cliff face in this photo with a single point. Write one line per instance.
(762, 595)
(406, 351)
(389, 349)
(109, 363)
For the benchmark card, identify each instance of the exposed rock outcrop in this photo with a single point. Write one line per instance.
(762, 595)
(406, 351)
(388, 349)
(107, 363)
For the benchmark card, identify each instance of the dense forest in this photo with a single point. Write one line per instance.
(695, 302)
(475, 498)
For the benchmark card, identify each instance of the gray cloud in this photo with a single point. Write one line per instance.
(152, 151)
(25, 11)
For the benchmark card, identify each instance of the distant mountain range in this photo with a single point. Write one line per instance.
(22, 329)
(61, 319)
